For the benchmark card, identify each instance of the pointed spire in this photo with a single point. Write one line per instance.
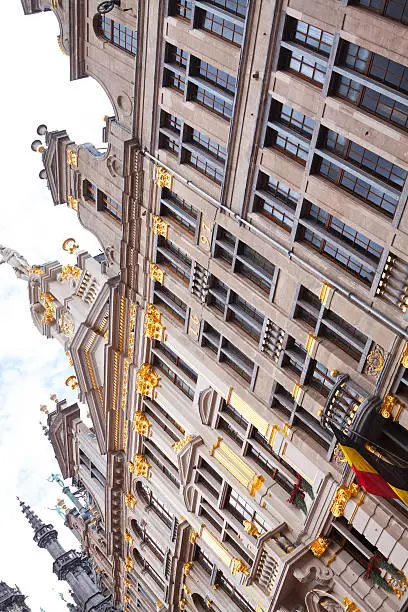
(35, 522)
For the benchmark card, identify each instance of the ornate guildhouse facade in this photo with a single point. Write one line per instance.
(251, 206)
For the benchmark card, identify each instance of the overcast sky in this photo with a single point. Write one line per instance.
(35, 89)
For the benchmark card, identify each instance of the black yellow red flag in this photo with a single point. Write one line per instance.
(374, 473)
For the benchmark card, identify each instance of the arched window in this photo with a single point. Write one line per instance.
(158, 508)
(117, 33)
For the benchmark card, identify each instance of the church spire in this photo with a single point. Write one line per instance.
(11, 599)
(35, 522)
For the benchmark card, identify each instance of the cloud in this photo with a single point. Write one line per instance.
(35, 89)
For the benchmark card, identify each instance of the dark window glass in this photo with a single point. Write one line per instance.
(180, 8)
(218, 26)
(113, 209)
(179, 210)
(236, 7)
(118, 34)
(394, 9)
(313, 38)
(289, 143)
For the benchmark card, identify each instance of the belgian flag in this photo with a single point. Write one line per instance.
(374, 473)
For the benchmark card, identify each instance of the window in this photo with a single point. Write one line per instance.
(206, 156)
(170, 302)
(371, 101)
(237, 310)
(218, 80)
(289, 131)
(228, 353)
(154, 454)
(203, 560)
(180, 8)
(89, 191)
(245, 260)
(185, 379)
(174, 259)
(394, 9)
(376, 66)
(343, 334)
(294, 356)
(235, 7)
(357, 253)
(171, 205)
(302, 42)
(231, 30)
(370, 163)
(276, 201)
(170, 133)
(233, 593)
(174, 74)
(112, 208)
(118, 34)
(321, 379)
(153, 502)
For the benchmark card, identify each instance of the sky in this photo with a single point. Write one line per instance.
(35, 89)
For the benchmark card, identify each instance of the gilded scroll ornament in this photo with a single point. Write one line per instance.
(72, 158)
(310, 344)
(178, 446)
(72, 383)
(255, 484)
(251, 529)
(128, 537)
(69, 245)
(193, 536)
(130, 501)
(141, 423)
(67, 325)
(237, 565)
(47, 300)
(163, 178)
(342, 496)
(69, 271)
(375, 361)
(319, 546)
(146, 380)
(338, 454)
(153, 327)
(187, 567)
(72, 202)
(182, 604)
(350, 606)
(139, 466)
(160, 227)
(390, 401)
(126, 583)
(215, 446)
(127, 598)
(296, 393)
(36, 271)
(404, 358)
(156, 273)
(128, 564)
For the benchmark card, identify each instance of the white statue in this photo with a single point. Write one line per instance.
(19, 264)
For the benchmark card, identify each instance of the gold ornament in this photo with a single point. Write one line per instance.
(68, 271)
(67, 326)
(342, 496)
(72, 383)
(375, 361)
(388, 405)
(140, 466)
(141, 423)
(187, 567)
(36, 270)
(128, 536)
(153, 327)
(350, 606)
(47, 300)
(193, 536)
(319, 546)
(237, 565)
(404, 358)
(72, 202)
(130, 500)
(160, 227)
(182, 604)
(255, 485)
(128, 564)
(72, 158)
(178, 446)
(156, 273)
(146, 381)
(251, 529)
(127, 598)
(324, 293)
(69, 245)
(163, 178)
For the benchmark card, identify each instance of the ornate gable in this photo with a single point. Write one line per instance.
(60, 433)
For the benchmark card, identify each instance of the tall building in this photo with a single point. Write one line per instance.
(251, 206)
(11, 599)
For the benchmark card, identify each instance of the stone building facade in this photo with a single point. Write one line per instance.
(251, 206)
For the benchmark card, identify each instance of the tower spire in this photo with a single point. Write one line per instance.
(35, 522)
